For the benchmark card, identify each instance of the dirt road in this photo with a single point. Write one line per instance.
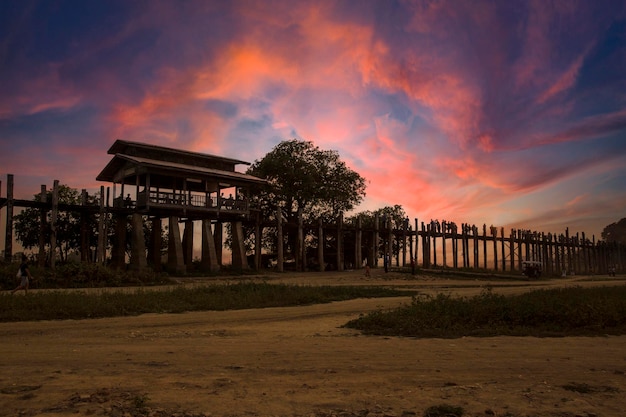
(300, 361)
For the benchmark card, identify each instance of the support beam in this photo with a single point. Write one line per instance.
(138, 261)
(175, 260)
(188, 244)
(240, 262)
(208, 262)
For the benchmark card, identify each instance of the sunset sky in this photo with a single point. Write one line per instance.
(505, 113)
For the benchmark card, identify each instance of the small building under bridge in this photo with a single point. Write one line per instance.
(157, 183)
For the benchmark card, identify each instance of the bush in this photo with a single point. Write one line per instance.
(554, 312)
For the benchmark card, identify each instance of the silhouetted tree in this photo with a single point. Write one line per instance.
(615, 232)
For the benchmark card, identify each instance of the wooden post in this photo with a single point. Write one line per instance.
(484, 246)
(138, 260)
(475, 245)
(494, 235)
(511, 249)
(208, 261)
(404, 231)
(455, 246)
(84, 229)
(8, 237)
(175, 258)
(239, 248)
(417, 240)
(444, 226)
(41, 258)
(435, 233)
(188, 244)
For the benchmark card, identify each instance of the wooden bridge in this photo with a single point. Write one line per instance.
(157, 183)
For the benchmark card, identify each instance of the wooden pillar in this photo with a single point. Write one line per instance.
(511, 249)
(405, 226)
(43, 220)
(417, 240)
(568, 245)
(175, 259)
(188, 244)
(84, 229)
(320, 245)
(240, 262)
(208, 261)
(434, 233)
(484, 246)
(494, 235)
(455, 247)
(444, 229)
(425, 248)
(138, 260)
(475, 245)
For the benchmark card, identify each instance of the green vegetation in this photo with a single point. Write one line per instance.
(79, 275)
(80, 304)
(554, 312)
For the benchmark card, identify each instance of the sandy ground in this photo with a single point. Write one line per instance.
(300, 361)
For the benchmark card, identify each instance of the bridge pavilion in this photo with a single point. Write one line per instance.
(157, 183)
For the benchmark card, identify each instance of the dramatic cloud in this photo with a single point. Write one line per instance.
(504, 113)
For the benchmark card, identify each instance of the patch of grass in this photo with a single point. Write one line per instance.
(80, 275)
(552, 312)
(77, 304)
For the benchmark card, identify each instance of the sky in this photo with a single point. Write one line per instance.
(504, 113)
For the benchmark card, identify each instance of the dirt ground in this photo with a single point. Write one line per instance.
(300, 361)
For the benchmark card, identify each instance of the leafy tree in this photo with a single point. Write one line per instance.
(68, 225)
(615, 232)
(304, 178)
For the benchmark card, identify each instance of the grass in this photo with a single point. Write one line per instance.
(555, 312)
(80, 304)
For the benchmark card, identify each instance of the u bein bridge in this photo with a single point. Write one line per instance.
(158, 184)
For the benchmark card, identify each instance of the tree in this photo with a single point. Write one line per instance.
(615, 232)
(302, 178)
(27, 222)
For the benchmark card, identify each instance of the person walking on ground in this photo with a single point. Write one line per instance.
(24, 274)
